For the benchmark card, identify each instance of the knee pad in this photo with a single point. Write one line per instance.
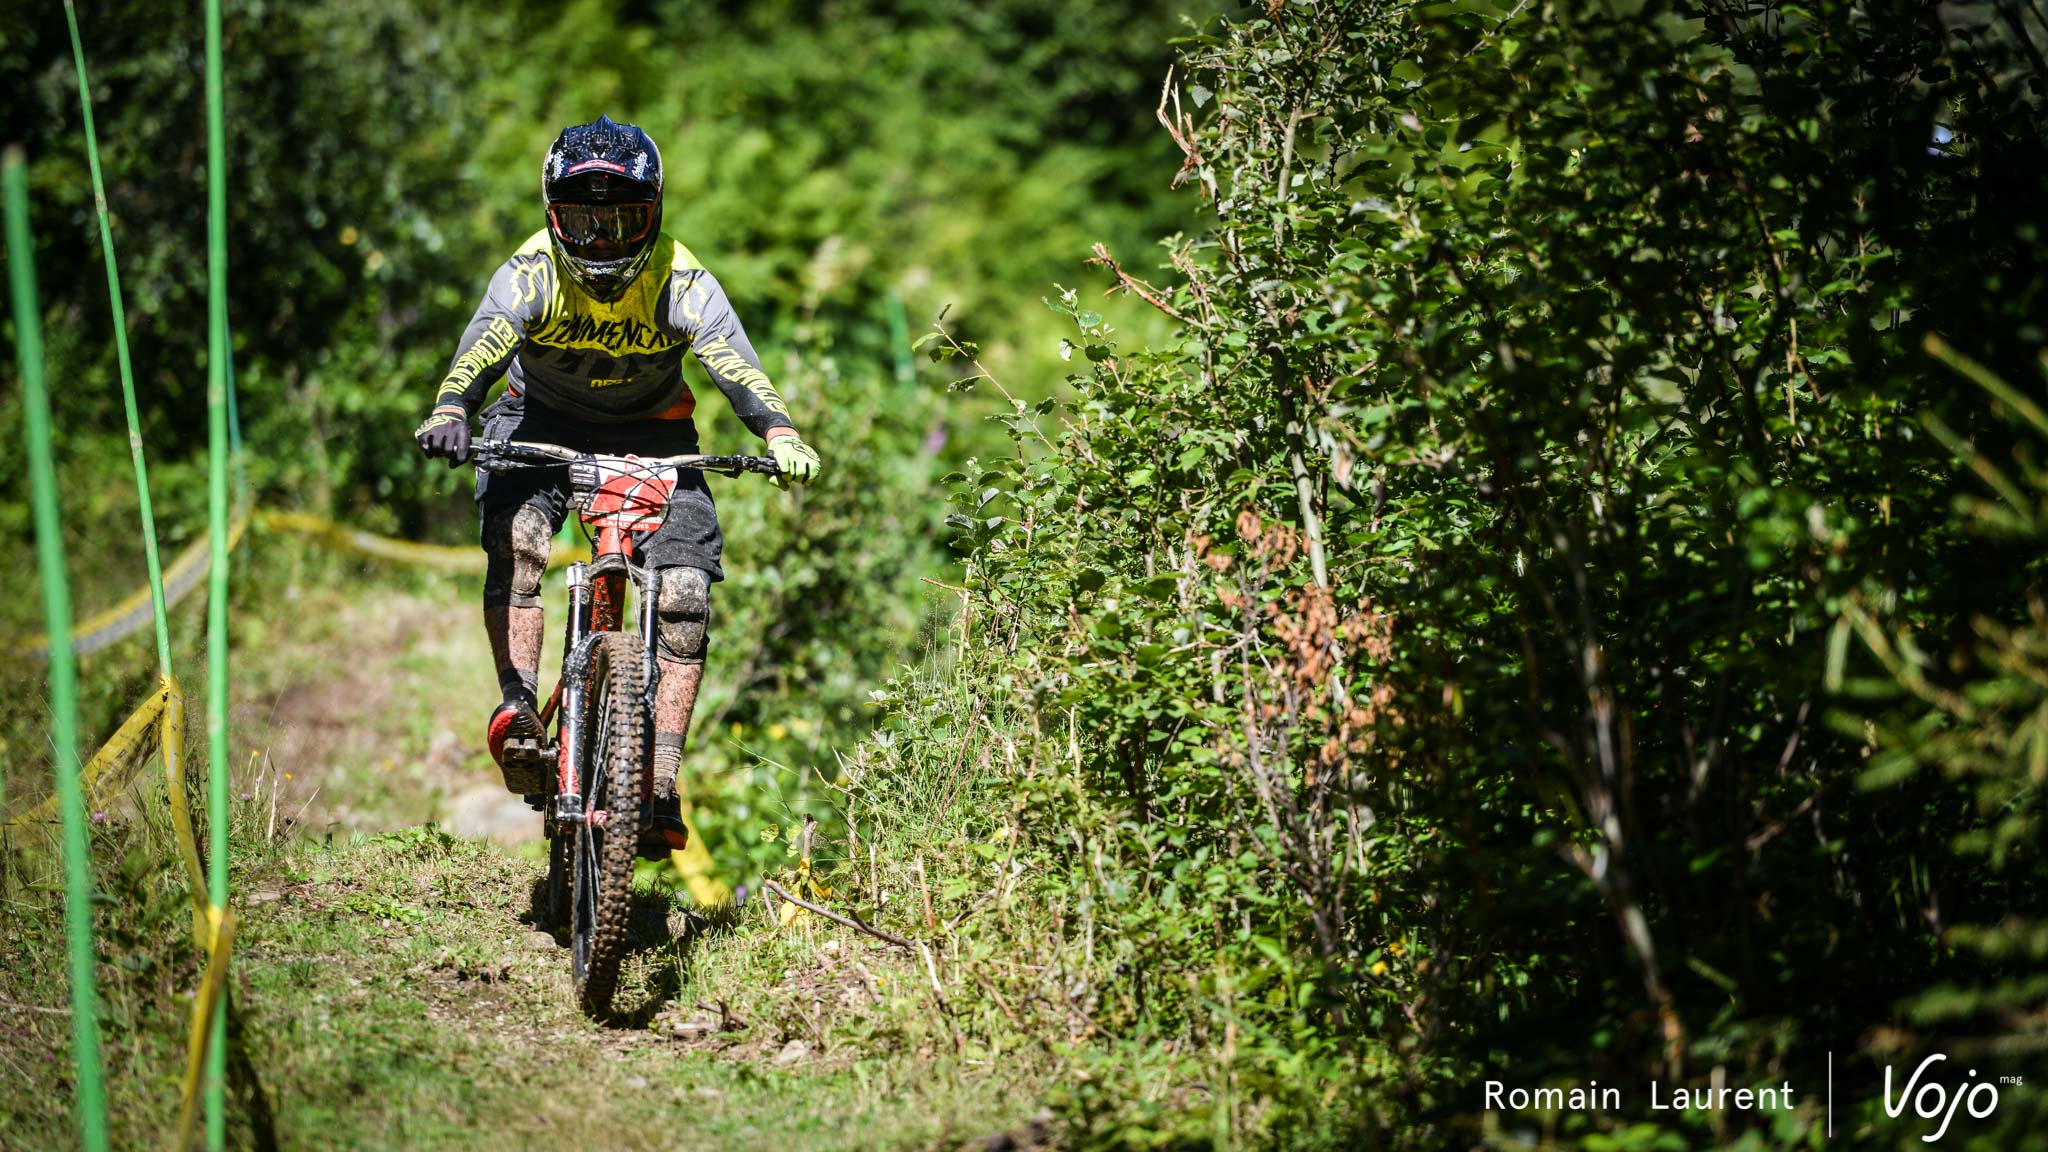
(516, 548)
(682, 611)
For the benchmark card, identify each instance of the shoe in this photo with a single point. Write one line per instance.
(666, 831)
(515, 739)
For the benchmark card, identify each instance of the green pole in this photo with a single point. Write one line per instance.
(238, 469)
(899, 342)
(234, 416)
(217, 575)
(35, 403)
(99, 197)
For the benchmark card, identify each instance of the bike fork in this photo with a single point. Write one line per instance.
(648, 625)
(650, 593)
(569, 791)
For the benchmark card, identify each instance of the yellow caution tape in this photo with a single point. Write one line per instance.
(221, 938)
(171, 741)
(436, 556)
(440, 557)
(156, 725)
(117, 759)
(133, 613)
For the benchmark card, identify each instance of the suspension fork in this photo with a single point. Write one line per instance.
(573, 630)
(580, 606)
(650, 625)
(650, 592)
(596, 603)
(574, 693)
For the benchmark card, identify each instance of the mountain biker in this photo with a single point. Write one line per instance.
(588, 323)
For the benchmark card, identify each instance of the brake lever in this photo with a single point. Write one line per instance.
(512, 455)
(737, 466)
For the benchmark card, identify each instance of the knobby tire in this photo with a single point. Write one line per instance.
(614, 747)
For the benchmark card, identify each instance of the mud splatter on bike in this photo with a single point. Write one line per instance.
(602, 709)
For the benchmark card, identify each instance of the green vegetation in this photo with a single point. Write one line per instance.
(1448, 642)
(386, 160)
(1545, 588)
(392, 994)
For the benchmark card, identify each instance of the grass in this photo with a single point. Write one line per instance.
(392, 989)
(373, 698)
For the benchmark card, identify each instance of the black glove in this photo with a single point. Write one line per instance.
(445, 434)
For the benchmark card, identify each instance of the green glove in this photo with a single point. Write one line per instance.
(798, 461)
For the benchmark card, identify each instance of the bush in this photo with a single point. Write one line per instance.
(898, 157)
(1433, 638)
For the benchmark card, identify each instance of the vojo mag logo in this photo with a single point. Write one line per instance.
(1933, 1100)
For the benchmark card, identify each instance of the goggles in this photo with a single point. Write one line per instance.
(598, 229)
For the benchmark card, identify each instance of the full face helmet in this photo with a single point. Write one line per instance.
(601, 185)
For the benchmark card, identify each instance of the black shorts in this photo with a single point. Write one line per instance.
(688, 537)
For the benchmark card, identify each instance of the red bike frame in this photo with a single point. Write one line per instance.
(618, 498)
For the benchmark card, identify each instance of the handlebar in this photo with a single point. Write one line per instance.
(509, 455)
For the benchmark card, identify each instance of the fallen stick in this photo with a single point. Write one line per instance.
(14, 1007)
(854, 923)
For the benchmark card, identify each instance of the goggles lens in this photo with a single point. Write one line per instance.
(601, 229)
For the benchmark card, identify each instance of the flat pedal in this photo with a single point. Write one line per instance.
(665, 831)
(526, 765)
(656, 843)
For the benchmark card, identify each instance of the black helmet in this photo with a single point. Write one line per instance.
(601, 185)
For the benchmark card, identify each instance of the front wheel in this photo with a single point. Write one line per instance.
(612, 746)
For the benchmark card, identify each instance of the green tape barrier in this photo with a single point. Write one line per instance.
(91, 1098)
(217, 536)
(99, 199)
(899, 343)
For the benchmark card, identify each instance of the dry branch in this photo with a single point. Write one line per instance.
(1132, 284)
(853, 922)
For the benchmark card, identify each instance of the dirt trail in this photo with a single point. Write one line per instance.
(374, 706)
(399, 991)
(400, 994)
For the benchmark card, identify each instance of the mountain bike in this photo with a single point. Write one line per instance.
(602, 708)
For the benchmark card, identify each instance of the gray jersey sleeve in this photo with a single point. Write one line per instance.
(699, 311)
(518, 295)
